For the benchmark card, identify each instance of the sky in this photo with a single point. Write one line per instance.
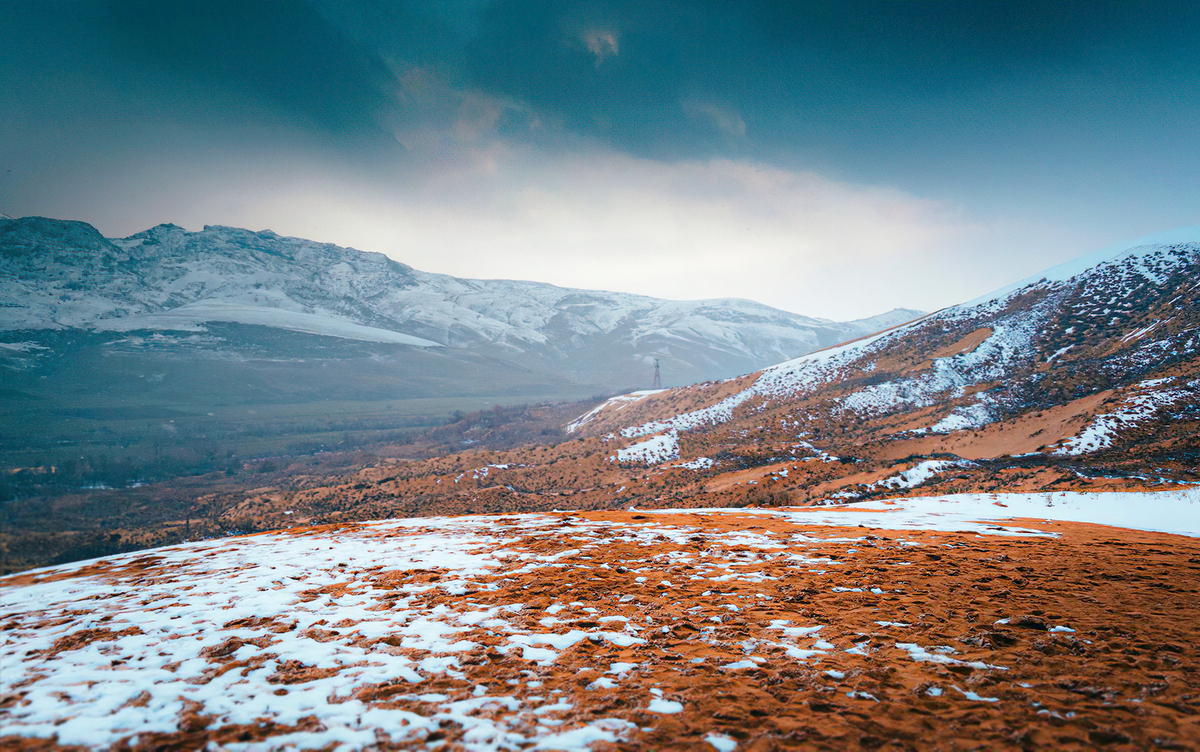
(835, 158)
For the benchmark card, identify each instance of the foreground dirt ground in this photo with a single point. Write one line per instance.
(626, 631)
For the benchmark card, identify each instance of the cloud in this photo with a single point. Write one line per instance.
(595, 218)
(602, 44)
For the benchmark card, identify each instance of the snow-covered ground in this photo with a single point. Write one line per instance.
(156, 639)
(619, 402)
(1175, 512)
(279, 629)
(194, 315)
(368, 627)
(918, 474)
(970, 416)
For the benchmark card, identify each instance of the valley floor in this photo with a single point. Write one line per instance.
(923, 624)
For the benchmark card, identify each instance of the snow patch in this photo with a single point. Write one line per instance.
(1175, 512)
(1104, 428)
(917, 474)
(620, 402)
(651, 451)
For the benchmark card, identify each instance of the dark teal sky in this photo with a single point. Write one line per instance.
(832, 158)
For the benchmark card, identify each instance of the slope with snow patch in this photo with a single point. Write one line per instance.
(1097, 323)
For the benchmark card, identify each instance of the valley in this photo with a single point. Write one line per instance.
(975, 528)
(1054, 385)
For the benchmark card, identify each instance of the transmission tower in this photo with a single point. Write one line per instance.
(657, 377)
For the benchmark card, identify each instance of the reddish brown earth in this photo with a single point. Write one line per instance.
(1127, 677)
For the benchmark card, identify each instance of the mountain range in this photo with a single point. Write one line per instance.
(64, 275)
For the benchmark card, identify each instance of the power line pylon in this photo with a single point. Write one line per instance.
(657, 377)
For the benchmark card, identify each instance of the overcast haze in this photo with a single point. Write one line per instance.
(835, 159)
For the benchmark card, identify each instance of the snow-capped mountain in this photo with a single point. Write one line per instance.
(62, 274)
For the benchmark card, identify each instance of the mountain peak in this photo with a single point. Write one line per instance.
(1177, 236)
(227, 230)
(155, 235)
(28, 235)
